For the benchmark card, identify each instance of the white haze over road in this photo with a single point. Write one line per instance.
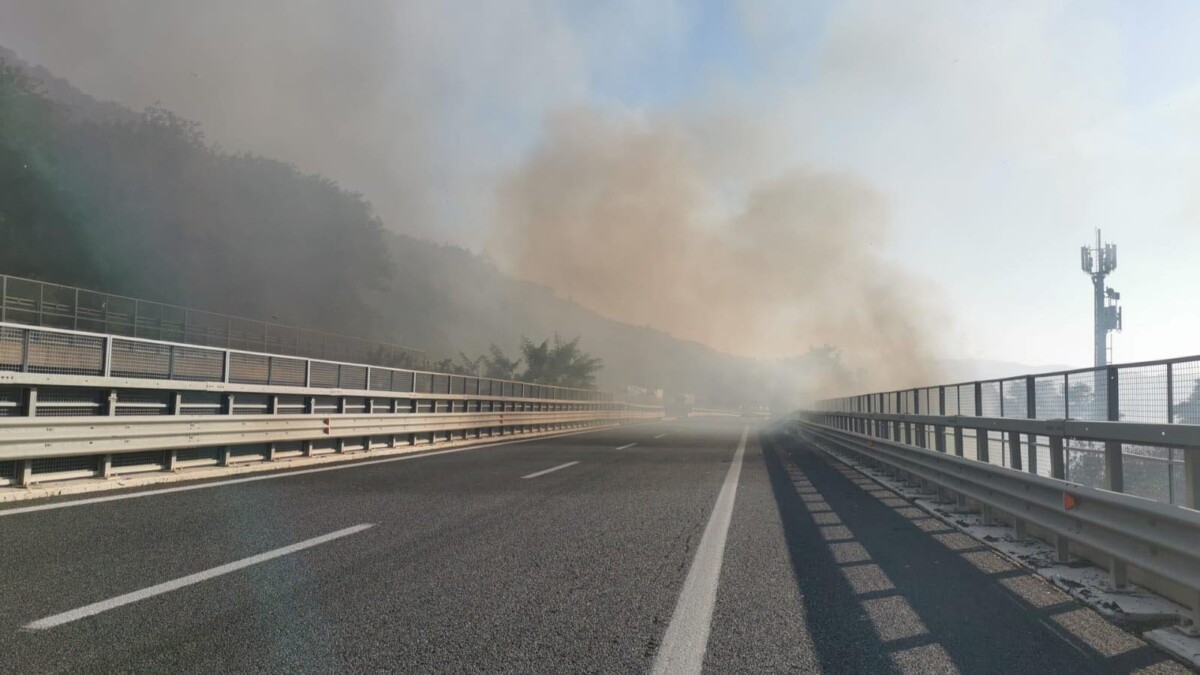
(986, 138)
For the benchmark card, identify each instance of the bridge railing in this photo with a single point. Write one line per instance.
(39, 303)
(1102, 462)
(1164, 392)
(76, 404)
(1150, 543)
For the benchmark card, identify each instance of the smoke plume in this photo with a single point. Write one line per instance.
(631, 218)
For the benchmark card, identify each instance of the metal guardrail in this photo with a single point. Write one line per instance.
(1160, 539)
(74, 353)
(38, 303)
(1164, 392)
(78, 404)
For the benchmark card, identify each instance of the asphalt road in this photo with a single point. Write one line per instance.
(569, 554)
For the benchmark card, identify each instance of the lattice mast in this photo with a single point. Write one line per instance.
(1098, 263)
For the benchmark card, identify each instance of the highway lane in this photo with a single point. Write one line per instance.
(468, 566)
(552, 555)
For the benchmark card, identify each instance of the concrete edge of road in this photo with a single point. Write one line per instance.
(88, 485)
(1183, 647)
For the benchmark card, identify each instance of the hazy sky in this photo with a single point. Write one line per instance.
(999, 134)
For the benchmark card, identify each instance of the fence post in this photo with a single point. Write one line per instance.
(1114, 469)
(981, 435)
(1031, 413)
(939, 430)
(918, 428)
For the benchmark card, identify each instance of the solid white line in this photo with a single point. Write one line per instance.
(551, 469)
(686, 640)
(281, 474)
(627, 446)
(167, 587)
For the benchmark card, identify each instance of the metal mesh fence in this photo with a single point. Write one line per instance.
(154, 458)
(199, 455)
(38, 303)
(64, 353)
(991, 399)
(352, 377)
(1142, 394)
(1147, 472)
(11, 401)
(200, 403)
(81, 464)
(143, 402)
(324, 375)
(381, 379)
(441, 383)
(140, 359)
(198, 365)
(1049, 396)
(966, 399)
(63, 402)
(249, 368)
(1013, 401)
(403, 380)
(12, 348)
(1185, 392)
(1087, 395)
(288, 372)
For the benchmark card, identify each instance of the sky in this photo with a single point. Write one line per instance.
(996, 135)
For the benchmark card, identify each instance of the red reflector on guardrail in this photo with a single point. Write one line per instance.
(326, 421)
(1070, 501)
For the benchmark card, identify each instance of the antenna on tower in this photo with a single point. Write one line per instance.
(1098, 263)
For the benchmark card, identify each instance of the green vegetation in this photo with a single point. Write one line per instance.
(559, 363)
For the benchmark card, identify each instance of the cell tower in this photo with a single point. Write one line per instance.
(1099, 262)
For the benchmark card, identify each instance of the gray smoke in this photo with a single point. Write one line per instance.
(629, 217)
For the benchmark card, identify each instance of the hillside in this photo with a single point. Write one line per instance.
(97, 195)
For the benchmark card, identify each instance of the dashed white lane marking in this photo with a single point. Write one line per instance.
(550, 470)
(627, 446)
(660, 435)
(167, 587)
(281, 474)
(686, 640)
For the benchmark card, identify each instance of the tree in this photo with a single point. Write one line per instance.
(559, 363)
(498, 366)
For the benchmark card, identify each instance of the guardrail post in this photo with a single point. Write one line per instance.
(1191, 478)
(1058, 459)
(1014, 450)
(1062, 549)
(106, 465)
(24, 472)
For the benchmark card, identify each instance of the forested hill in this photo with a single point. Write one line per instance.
(96, 195)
